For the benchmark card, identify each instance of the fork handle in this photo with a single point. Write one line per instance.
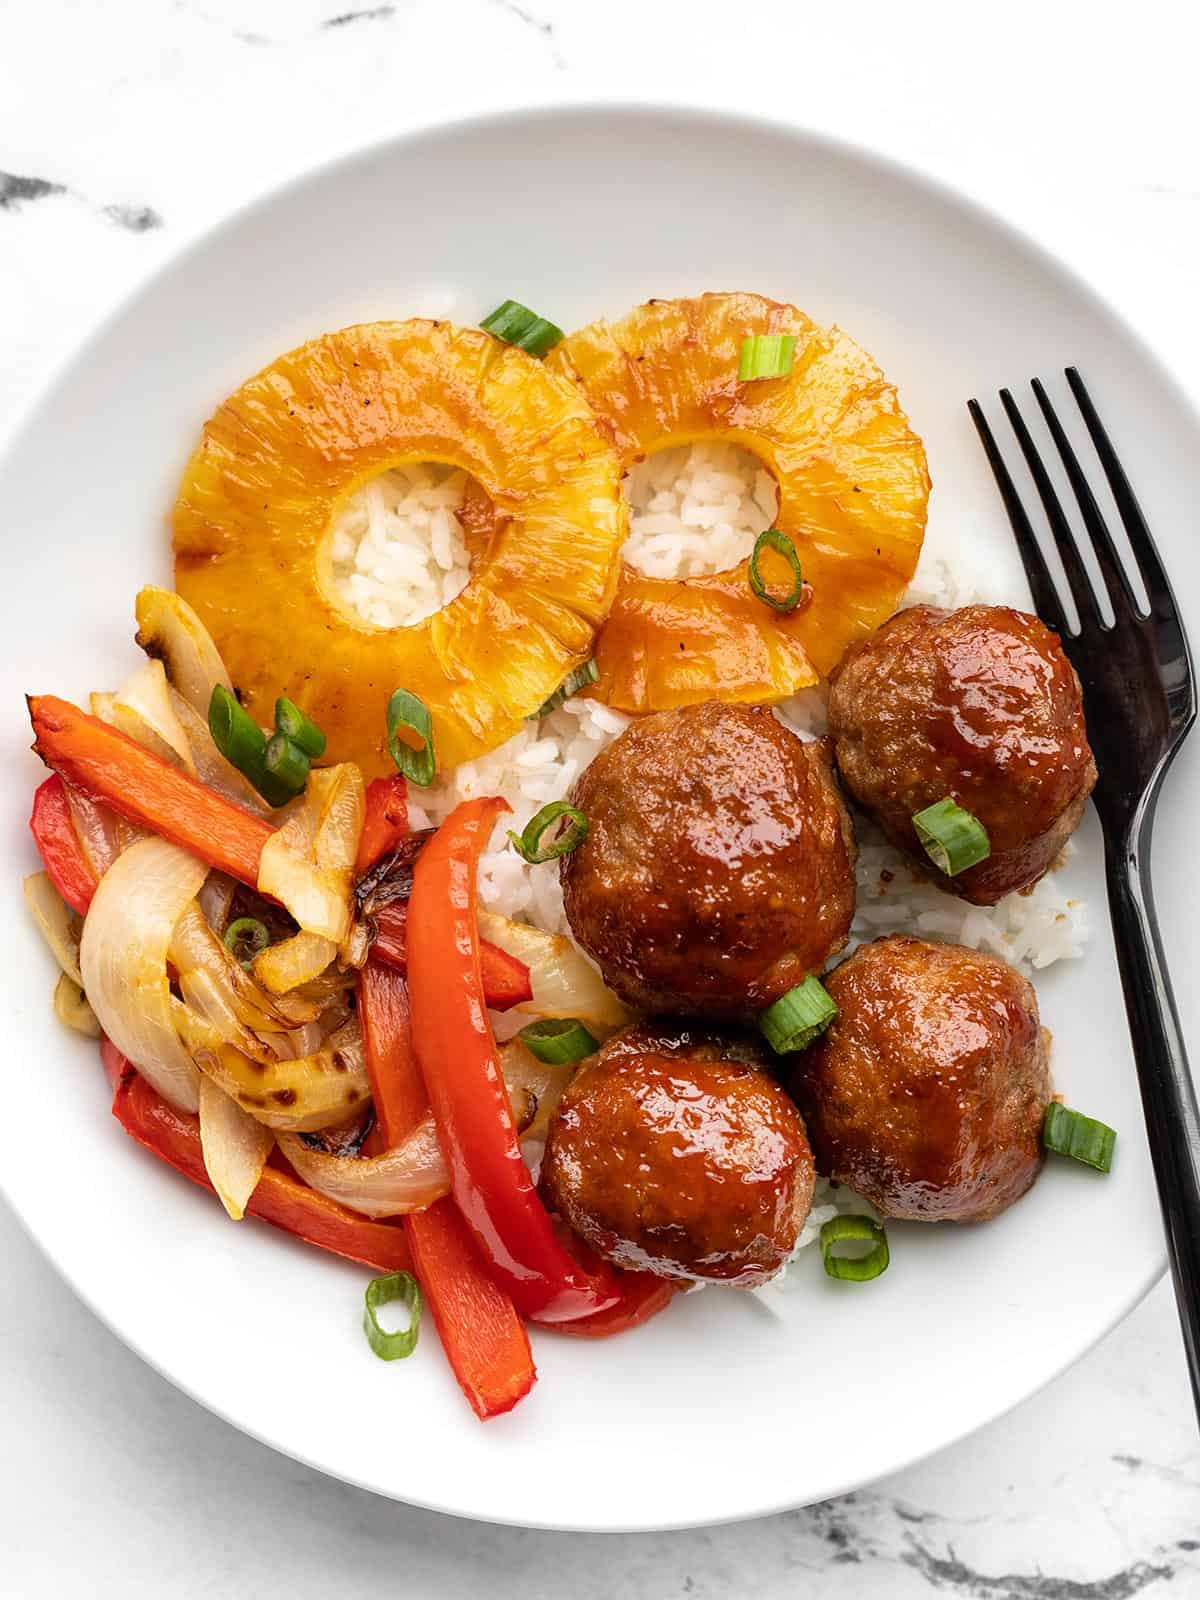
(1168, 1093)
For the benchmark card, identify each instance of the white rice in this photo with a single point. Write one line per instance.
(538, 764)
(398, 553)
(697, 509)
(694, 510)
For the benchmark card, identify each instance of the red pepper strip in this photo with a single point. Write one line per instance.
(505, 978)
(481, 1333)
(386, 821)
(116, 769)
(280, 1198)
(642, 1296)
(58, 844)
(397, 1088)
(459, 1063)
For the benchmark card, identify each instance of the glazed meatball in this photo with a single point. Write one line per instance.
(980, 704)
(719, 866)
(927, 1092)
(673, 1152)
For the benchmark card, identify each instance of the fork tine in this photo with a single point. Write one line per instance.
(1064, 539)
(1041, 584)
(1141, 541)
(1111, 565)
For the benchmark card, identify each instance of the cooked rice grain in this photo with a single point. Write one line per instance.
(397, 551)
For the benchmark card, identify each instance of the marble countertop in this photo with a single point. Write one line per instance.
(127, 128)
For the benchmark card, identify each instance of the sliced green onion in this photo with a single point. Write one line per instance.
(516, 324)
(772, 539)
(850, 1228)
(406, 712)
(766, 355)
(381, 1292)
(291, 722)
(246, 938)
(286, 763)
(235, 733)
(953, 839)
(558, 1040)
(798, 1017)
(566, 827)
(571, 684)
(243, 743)
(1070, 1133)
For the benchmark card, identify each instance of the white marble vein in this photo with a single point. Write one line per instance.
(126, 129)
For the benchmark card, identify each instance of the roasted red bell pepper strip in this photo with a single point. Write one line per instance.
(397, 1088)
(108, 765)
(279, 1198)
(505, 978)
(642, 1296)
(461, 1068)
(58, 844)
(481, 1333)
(386, 820)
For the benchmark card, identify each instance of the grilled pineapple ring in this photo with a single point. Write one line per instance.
(852, 480)
(280, 457)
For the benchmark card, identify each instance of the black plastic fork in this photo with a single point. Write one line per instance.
(1139, 699)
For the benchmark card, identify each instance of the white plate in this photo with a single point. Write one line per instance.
(723, 1407)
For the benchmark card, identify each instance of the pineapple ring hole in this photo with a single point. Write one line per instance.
(696, 509)
(396, 552)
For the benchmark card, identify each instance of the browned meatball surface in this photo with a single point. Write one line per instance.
(980, 704)
(928, 1091)
(719, 866)
(672, 1152)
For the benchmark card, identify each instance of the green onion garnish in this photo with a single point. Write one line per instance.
(235, 733)
(571, 684)
(766, 355)
(859, 1230)
(406, 712)
(558, 1040)
(772, 539)
(1070, 1133)
(286, 763)
(953, 839)
(798, 1017)
(516, 324)
(291, 722)
(381, 1292)
(566, 827)
(244, 745)
(246, 938)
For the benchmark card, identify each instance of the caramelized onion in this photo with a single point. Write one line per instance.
(294, 1094)
(235, 1148)
(408, 1177)
(308, 863)
(123, 960)
(171, 632)
(142, 708)
(563, 980)
(58, 924)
